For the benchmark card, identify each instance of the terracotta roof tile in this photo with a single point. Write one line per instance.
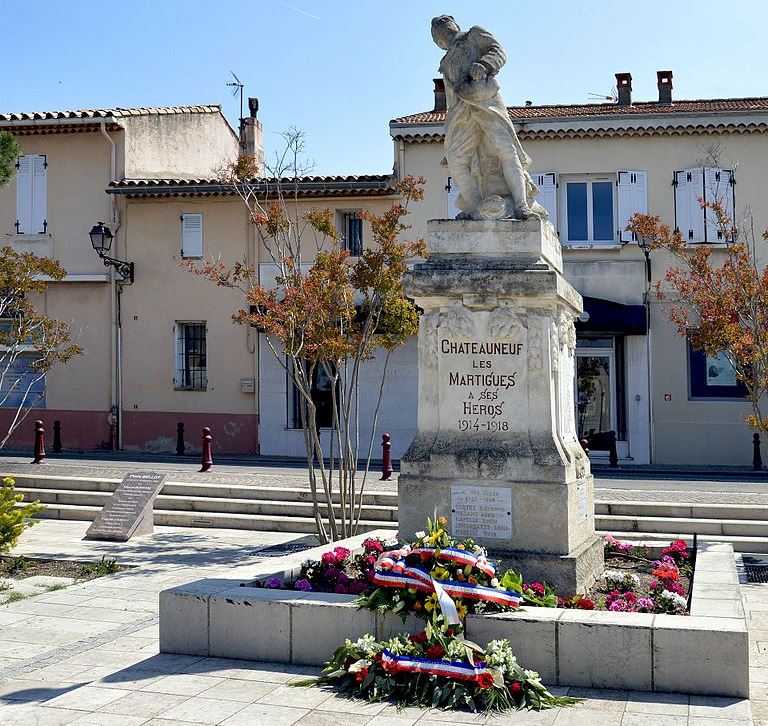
(308, 186)
(103, 113)
(642, 108)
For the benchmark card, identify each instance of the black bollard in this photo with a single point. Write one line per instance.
(386, 457)
(180, 439)
(56, 437)
(39, 443)
(757, 459)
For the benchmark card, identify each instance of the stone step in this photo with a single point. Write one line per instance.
(203, 505)
(740, 544)
(683, 525)
(179, 488)
(682, 510)
(218, 520)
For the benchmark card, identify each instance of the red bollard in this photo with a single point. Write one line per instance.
(39, 443)
(206, 460)
(386, 457)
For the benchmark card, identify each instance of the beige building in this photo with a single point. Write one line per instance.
(596, 165)
(58, 194)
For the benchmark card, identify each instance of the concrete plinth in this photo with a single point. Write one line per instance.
(496, 451)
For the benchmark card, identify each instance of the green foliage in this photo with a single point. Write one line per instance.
(9, 152)
(103, 567)
(14, 517)
(15, 597)
(17, 564)
(57, 586)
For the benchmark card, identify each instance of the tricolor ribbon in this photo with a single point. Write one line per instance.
(449, 669)
(463, 557)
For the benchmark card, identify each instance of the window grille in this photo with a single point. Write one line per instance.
(191, 356)
(352, 230)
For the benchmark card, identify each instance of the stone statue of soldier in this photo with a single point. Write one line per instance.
(483, 154)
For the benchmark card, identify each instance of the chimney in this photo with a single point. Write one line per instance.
(439, 94)
(252, 141)
(664, 82)
(624, 86)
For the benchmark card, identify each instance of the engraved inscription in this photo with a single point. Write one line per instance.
(130, 503)
(481, 512)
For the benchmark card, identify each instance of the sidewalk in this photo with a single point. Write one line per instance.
(88, 655)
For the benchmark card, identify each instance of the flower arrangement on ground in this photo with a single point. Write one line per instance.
(437, 668)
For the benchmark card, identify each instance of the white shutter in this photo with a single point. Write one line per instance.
(39, 194)
(632, 189)
(546, 181)
(192, 235)
(452, 197)
(24, 195)
(689, 216)
(718, 186)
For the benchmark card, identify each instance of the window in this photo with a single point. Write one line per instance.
(22, 385)
(589, 211)
(352, 233)
(321, 396)
(31, 194)
(191, 356)
(709, 183)
(712, 376)
(192, 235)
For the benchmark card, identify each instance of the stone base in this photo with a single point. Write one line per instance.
(573, 573)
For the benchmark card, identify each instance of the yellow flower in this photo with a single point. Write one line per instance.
(461, 609)
(440, 573)
(460, 547)
(435, 537)
(431, 602)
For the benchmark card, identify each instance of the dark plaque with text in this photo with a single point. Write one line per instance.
(129, 510)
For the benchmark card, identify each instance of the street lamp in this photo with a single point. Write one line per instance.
(645, 247)
(101, 239)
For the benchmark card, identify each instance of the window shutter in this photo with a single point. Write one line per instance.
(192, 235)
(24, 195)
(718, 185)
(39, 194)
(452, 198)
(689, 216)
(632, 187)
(546, 181)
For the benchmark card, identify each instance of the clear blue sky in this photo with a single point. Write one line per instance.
(341, 69)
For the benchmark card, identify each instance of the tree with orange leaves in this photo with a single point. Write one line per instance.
(325, 313)
(721, 306)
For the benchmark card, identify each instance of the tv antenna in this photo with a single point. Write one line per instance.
(237, 86)
(603, 97)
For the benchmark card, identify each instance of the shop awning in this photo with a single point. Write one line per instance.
(606, 316)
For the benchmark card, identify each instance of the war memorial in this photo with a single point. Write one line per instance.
(496, 457)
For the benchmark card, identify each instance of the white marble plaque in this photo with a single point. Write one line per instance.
(567, 382)
(581, 499)
(482, 380)
(481, 512)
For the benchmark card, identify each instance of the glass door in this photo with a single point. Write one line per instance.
(595, 391)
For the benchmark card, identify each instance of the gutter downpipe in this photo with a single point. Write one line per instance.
(116, 382)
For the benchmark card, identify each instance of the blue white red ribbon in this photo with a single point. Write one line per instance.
(447, 668)
(462, 557)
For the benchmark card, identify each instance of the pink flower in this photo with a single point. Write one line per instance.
(328, 558)
(536, 587)
(373, 545)
(341, 553)
(618, 606)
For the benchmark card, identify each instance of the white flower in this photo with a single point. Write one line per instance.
(419, 535)
(494, 582)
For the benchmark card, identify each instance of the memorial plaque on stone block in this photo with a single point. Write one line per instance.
(481, 512)
(129, 510)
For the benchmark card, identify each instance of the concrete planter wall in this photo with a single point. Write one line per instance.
(706, 653)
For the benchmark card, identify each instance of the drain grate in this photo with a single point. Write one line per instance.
(756, 573)
(287, 548)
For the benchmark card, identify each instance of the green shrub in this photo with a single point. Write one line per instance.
(103, 567)
(14, 519)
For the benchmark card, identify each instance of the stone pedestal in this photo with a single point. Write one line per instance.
(497, 451)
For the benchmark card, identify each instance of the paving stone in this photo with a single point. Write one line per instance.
(109, 719)
(31, 715)
(87, 698)
(142, 703)
(182, 684)
(264, 713)
(204, 710)
(713, 707)
(232, 689)
(587, 717)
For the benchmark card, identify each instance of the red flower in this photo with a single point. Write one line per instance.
(425, 556)
(372, 545)
(361, 675)
(418, 637)
(435, 652)
(450, 632)
(536, 587)
(392, 667)
(585, 604)
(516, 688)
(485, 679)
